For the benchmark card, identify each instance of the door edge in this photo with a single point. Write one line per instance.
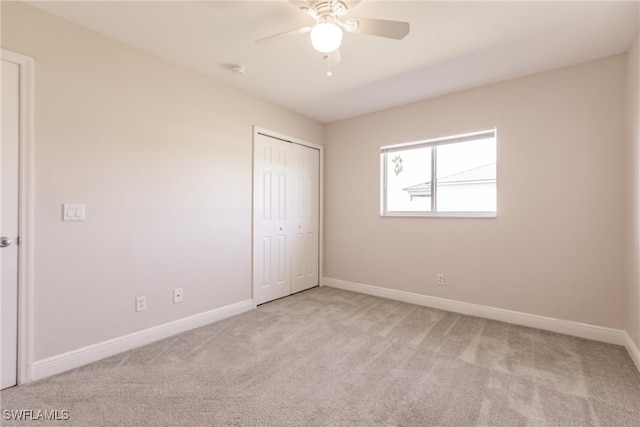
(26, 214)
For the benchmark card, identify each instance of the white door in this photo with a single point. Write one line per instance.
(271, 243)
(306, 224)
(286, 204)
(9, 221)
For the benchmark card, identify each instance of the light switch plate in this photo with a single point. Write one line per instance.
(73, 212)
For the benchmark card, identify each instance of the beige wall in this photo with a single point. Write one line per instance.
(556, 248)
(161, 157)
(632, 298)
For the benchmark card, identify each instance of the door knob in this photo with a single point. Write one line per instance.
(5, 241)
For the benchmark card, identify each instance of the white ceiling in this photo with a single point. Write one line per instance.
(452, 45)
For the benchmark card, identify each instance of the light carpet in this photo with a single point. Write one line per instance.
(333, 357)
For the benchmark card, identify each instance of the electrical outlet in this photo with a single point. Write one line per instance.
(440, 279)
(178, 295)
(141, 303)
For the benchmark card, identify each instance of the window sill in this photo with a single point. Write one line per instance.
(440, 214)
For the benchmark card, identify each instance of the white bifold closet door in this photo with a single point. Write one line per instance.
(286, 196)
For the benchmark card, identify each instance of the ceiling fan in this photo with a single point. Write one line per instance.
(330, 16)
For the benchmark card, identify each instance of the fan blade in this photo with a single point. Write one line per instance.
(301, 30)
(378, 27)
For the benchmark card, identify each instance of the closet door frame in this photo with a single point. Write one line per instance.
(259, 130)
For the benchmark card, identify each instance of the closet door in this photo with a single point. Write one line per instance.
(286, 225)
(305, 219)
(271, 200)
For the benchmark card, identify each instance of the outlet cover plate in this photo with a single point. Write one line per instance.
(178, 295)
(141, 303)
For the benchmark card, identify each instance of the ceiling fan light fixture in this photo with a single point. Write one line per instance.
(326, 37)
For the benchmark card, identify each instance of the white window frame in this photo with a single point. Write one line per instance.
(453, 139)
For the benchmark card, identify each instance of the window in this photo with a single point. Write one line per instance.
(450, 176)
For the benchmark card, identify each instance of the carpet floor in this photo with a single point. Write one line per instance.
(332, 357)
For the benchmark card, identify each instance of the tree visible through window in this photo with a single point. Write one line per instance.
(454, 176)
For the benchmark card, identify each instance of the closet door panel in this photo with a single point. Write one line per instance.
(272, 258)
(305, 217)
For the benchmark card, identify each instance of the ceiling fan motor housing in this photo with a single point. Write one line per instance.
(335, 8)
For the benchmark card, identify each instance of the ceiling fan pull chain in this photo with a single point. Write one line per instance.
(327, 61)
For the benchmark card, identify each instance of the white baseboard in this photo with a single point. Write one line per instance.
(82, 356)
(576, 329)
(633, 350)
